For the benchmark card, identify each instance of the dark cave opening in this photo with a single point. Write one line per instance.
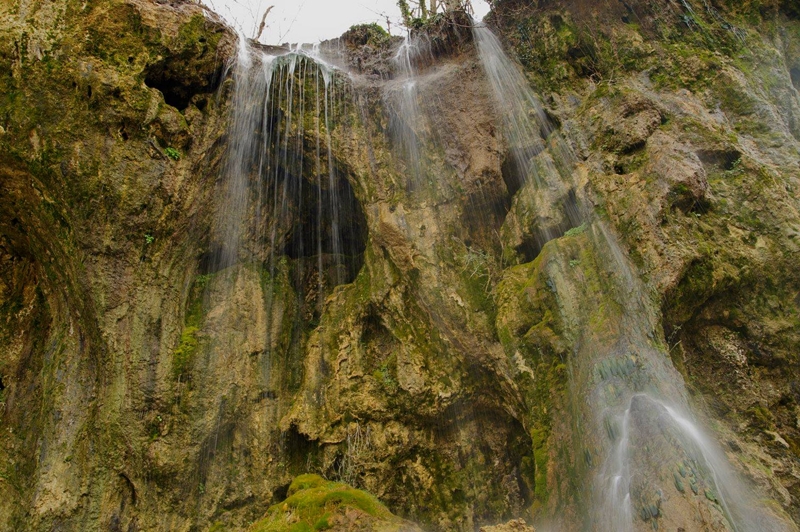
(323, 231)
(329, 224)
(723, 159)
(483, 217)
(299, 449)
(177, 88)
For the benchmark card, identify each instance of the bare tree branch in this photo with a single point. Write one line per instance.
(263, 23)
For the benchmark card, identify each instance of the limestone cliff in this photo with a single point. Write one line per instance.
(148, 384)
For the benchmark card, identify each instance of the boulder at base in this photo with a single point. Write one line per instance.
(314, 503)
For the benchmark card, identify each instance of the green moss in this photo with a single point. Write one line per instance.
(183, 355)
(306, 482)
(695, 288)
(385, 375)
(734, 101)
(761, 417)
(575, 231)
(172, 153)
(540, 454)
(313, 501)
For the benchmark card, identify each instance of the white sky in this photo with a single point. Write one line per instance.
(310, 21)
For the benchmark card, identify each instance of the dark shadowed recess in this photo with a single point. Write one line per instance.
(483, 218)
(795, 73)
(178, 88)
(724, 159)
(515, 166)
(327, 218)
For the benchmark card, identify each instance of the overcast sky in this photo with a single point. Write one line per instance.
(309, 21)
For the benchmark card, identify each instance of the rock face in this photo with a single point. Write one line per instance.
(517, 525)
(147, 385)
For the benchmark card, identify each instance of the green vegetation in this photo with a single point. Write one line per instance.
(367, 34)
(312, 504)
(183, 355)
(417, 14)
(384, 376)
(575, 231)
(172, 153)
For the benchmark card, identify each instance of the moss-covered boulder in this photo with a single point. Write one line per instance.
(314, 503)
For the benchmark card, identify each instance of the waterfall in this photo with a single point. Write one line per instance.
(406, 124)
(286, 209)
(656, 465)
(539, 160)
(253, 81)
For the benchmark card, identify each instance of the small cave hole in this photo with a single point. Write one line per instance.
(172, 95)
(726, 160)
(130, 486)
(299, 450)
(177, 89)
(280, 493)
(2, 384)
(89, 91)
(532, 246)
(378, 341)
(130, 60)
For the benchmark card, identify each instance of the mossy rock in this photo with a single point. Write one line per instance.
(366, 35)
(314, 503)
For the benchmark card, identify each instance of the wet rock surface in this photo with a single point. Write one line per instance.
(144, 388)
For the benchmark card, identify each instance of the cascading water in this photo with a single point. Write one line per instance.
(539, 162)
(656, 465)
(243, 147)
(406, 122)
(287, 208)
